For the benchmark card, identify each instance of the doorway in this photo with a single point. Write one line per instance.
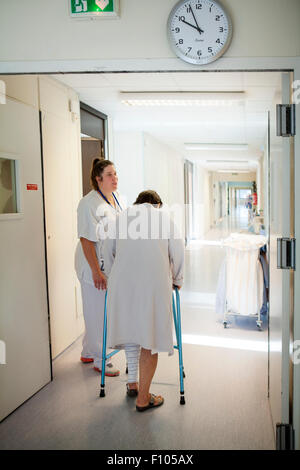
(208, 220)
(218, 201)
(93, 141)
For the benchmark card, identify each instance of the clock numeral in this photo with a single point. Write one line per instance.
(181, 18)
(218, 41)
(218, 17)
(199, 53)
(221, 29)
(198, 6)
(189, 50)
(188, 9)
(180, 41)
(209, 49)
(177, 30)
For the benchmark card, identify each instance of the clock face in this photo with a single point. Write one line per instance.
(199, 30)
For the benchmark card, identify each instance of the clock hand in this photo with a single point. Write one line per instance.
(199, 29)
(183, 21)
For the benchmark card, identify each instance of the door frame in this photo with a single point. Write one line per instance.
(280, 385)
(45, 242)
(241, 64)
(104, 118)
(296, 299)
(188, 170)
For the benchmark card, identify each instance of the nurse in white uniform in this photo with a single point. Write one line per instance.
(95, 210)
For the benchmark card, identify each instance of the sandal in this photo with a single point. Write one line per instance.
(152, 403)
(132, 392)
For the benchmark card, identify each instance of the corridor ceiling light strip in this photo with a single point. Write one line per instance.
(234, 171)
(211, 146)
(182, 98)
(227, 161)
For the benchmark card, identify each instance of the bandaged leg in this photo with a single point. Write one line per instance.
(132, 352)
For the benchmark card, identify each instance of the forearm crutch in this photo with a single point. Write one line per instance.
(104, 356)
(177, 323)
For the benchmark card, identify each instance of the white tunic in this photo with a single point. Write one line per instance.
(139, 302)
(93, 214)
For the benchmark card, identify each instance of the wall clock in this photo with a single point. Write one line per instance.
(199, 31)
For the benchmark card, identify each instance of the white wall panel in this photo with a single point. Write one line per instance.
(62, 169)
(202, 201)
(22, 88)
(143, 162)
(44, 31)
(163, 170)
(129, 161)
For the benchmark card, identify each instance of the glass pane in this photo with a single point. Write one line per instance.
(8, 196)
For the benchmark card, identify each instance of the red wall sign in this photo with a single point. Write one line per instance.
(32, 187)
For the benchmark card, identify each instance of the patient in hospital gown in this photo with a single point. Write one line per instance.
(143, 262)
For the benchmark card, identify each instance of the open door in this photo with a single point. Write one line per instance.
(281, 225)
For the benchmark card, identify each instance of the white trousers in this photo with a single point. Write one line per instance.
(93, 312)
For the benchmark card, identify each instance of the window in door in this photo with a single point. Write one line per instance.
(8, 186)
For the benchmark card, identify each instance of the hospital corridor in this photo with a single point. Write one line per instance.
(149, 208)
(226, 383)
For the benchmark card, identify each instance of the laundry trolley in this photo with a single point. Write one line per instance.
(178, 346)
(241, 281)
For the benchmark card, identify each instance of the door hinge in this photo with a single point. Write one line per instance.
(285, 437)
(286, 253)
(286, 120)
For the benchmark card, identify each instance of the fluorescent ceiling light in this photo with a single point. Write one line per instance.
(227, 161)
(182, 98)
(210, 146)
(234, 171)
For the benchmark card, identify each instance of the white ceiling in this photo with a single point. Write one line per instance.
(239, 123)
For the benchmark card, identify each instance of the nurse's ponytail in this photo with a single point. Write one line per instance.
(97, 169)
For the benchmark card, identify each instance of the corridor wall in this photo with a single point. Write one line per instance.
(144, 162)
(128, 158)
(163, 170)
(26, 31)
(202, 199)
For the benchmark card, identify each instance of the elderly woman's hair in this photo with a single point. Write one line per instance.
(97, 169)
(148, 196)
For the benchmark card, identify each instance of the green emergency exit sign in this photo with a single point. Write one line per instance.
(94, 8)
